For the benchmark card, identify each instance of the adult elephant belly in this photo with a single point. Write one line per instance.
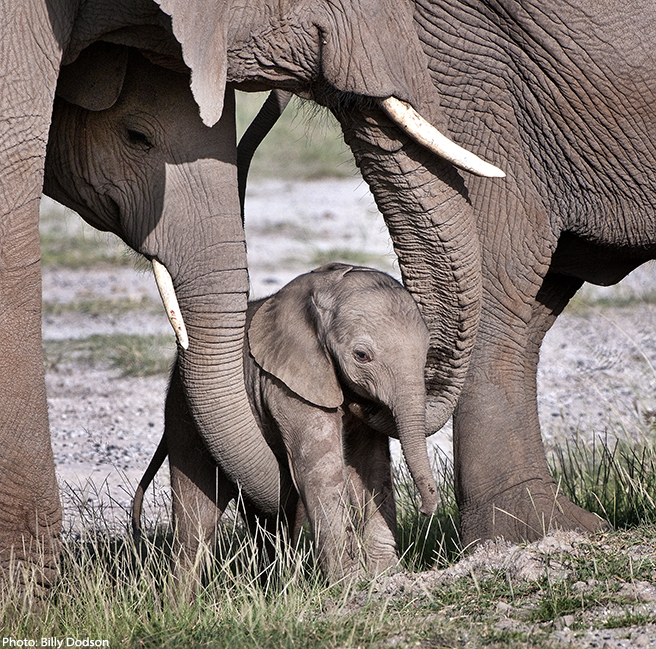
(600, 263)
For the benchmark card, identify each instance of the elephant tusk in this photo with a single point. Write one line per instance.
(424, 133)
(167, 293)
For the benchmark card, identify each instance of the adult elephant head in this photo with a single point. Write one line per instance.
(126, 149)
(131, 156)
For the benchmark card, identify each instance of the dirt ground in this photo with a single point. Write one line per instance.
(596, 374)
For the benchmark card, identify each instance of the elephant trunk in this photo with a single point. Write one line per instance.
(411, 425)
(205, 256)
(424, 203)
(212, 373)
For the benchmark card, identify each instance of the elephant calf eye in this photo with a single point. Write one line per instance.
(361, 356)
(137, 138)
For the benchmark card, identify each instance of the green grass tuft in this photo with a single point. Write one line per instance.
(426, 542)
(615, 479)
(133, 355)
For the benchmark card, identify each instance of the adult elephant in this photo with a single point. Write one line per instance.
(561, 95)
(563, 91)
(132, 157)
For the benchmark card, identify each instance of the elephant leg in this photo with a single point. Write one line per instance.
(313, 439)
(201, 491)
(300, 518)
(371, 488)
(503, 484)
(30, 511)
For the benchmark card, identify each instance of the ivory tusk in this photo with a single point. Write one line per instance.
(428, 136)
(167, 293)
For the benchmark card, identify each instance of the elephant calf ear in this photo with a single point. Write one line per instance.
(283, 340)
(95, 79)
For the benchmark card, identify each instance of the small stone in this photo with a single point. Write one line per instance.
(567, 621)
(503, 608)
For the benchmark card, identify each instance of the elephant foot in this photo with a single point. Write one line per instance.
(380, 547)
(26, 588)
(525, 513)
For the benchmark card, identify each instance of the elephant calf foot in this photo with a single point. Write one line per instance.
(526, 513)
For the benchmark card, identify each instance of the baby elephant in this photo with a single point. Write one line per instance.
(334, 363)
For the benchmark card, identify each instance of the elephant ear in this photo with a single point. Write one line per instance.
(285, 341)
(373, 64)
(95, 79)
(201, 27)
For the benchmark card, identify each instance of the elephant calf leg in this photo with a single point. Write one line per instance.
(273, 534)
(371, 490)
(313, 439)
(196, 514)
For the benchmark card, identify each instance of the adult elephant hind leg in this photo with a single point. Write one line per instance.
(555, 293)
(503, 484)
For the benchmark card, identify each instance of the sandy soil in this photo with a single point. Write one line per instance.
(596, 373)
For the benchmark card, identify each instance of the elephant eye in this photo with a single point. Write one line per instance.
(137, 138)
(362, 356)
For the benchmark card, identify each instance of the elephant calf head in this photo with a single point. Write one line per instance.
(345, 333)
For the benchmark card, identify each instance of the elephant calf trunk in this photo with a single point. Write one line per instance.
(412, 435)
(428, 492)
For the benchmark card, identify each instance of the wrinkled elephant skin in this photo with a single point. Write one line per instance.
(560, 96)
(564, 93)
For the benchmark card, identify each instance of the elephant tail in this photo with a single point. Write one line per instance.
(264, 121)
(137, 503)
